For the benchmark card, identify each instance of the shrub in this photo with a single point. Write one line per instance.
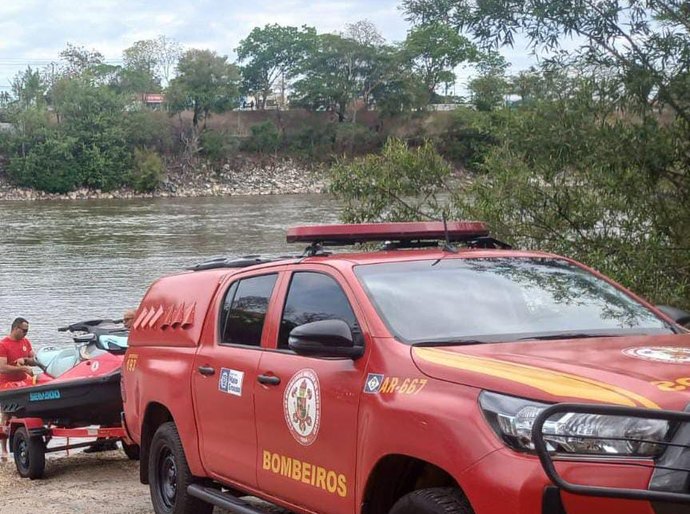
(149, 129)
(265, 138)
(371, 187)
(48, 166)
(104, 159)
(218, 146)
(313, 142)
(148, 170)
(355, 139)
(467, 139)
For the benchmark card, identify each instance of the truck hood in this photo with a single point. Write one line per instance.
(639, 371)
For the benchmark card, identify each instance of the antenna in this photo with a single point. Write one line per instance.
(447, 247)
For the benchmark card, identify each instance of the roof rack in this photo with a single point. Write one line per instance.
(236, 262)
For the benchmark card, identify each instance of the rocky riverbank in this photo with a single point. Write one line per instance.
(240, 177)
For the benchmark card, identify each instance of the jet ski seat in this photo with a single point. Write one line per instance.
(62, 362)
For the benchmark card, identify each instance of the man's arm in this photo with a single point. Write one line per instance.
(10, 368)
(28, 361)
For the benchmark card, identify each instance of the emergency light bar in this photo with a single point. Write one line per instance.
(347, 234)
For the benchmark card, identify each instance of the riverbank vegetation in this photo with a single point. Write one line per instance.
(80, 121)
(591, 163)
(586, 155)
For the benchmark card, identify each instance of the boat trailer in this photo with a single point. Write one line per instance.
(29, 437)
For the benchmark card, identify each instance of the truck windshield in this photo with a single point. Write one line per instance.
(464, 301)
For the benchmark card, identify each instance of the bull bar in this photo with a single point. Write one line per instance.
(671, 469)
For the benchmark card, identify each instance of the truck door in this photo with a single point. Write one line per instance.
(306, 407)
(225, 371)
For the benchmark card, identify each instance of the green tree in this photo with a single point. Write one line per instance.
(595, 164)
(489, 88)
(93, 114)
(403, 92)
(168, 52)
(272, 53)
(265, 138)
(364, 32)
(147, 170)
(434, 51)
(643, 44)
(206, 83)
(49, 166)
(329, 75)
(400, 184)
(76, 60)
(562, 175)
(148, 63)
(29, 89)
(139, 71)
(341, 70)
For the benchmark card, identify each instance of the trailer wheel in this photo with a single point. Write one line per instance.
(169, 475)
(131, 450)
(437, 500)
(29, 454)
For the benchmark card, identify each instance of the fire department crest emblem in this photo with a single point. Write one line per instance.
(302, 406)
(674, 355)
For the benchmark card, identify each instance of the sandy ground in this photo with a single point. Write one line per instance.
(102, 483)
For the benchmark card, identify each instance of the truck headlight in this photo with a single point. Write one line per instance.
(592, 434)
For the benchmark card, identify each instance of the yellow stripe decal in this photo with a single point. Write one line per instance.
(552, 382)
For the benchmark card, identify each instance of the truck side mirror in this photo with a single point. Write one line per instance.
(679, 316)
(326, 338)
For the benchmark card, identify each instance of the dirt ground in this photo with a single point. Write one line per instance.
(102, 483)
(105, 482)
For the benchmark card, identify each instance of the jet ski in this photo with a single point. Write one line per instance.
(80, 383)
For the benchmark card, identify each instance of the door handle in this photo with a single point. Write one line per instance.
(207, 370)
(268, 380)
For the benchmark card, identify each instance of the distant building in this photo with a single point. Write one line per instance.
(443, 107)
(152, 100)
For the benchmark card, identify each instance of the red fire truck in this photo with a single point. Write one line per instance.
(439, 372)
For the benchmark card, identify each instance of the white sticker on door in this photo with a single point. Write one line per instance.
(230, 381)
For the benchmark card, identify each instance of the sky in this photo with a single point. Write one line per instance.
(33, 32)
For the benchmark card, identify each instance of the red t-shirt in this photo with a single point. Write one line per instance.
(12, 350)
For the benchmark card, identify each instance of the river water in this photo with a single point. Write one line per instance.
(68, 261)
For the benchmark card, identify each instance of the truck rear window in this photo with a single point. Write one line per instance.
(244, 310)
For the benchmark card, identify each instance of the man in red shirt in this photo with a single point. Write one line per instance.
(16, 358)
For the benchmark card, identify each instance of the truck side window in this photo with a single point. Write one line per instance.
(313, 297)
(244, 310)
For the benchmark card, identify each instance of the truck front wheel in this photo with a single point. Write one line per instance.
(169, 475)
(436, 500)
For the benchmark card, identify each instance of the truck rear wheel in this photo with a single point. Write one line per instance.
(437, 500)
(169, 475)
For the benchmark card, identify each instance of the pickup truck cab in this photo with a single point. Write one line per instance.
(414, 378)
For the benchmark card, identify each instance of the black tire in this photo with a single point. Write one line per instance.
(169, 475)
(131, 450)
(437, 500)
(29, 454)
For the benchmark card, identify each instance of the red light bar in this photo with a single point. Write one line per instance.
(363, 232)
